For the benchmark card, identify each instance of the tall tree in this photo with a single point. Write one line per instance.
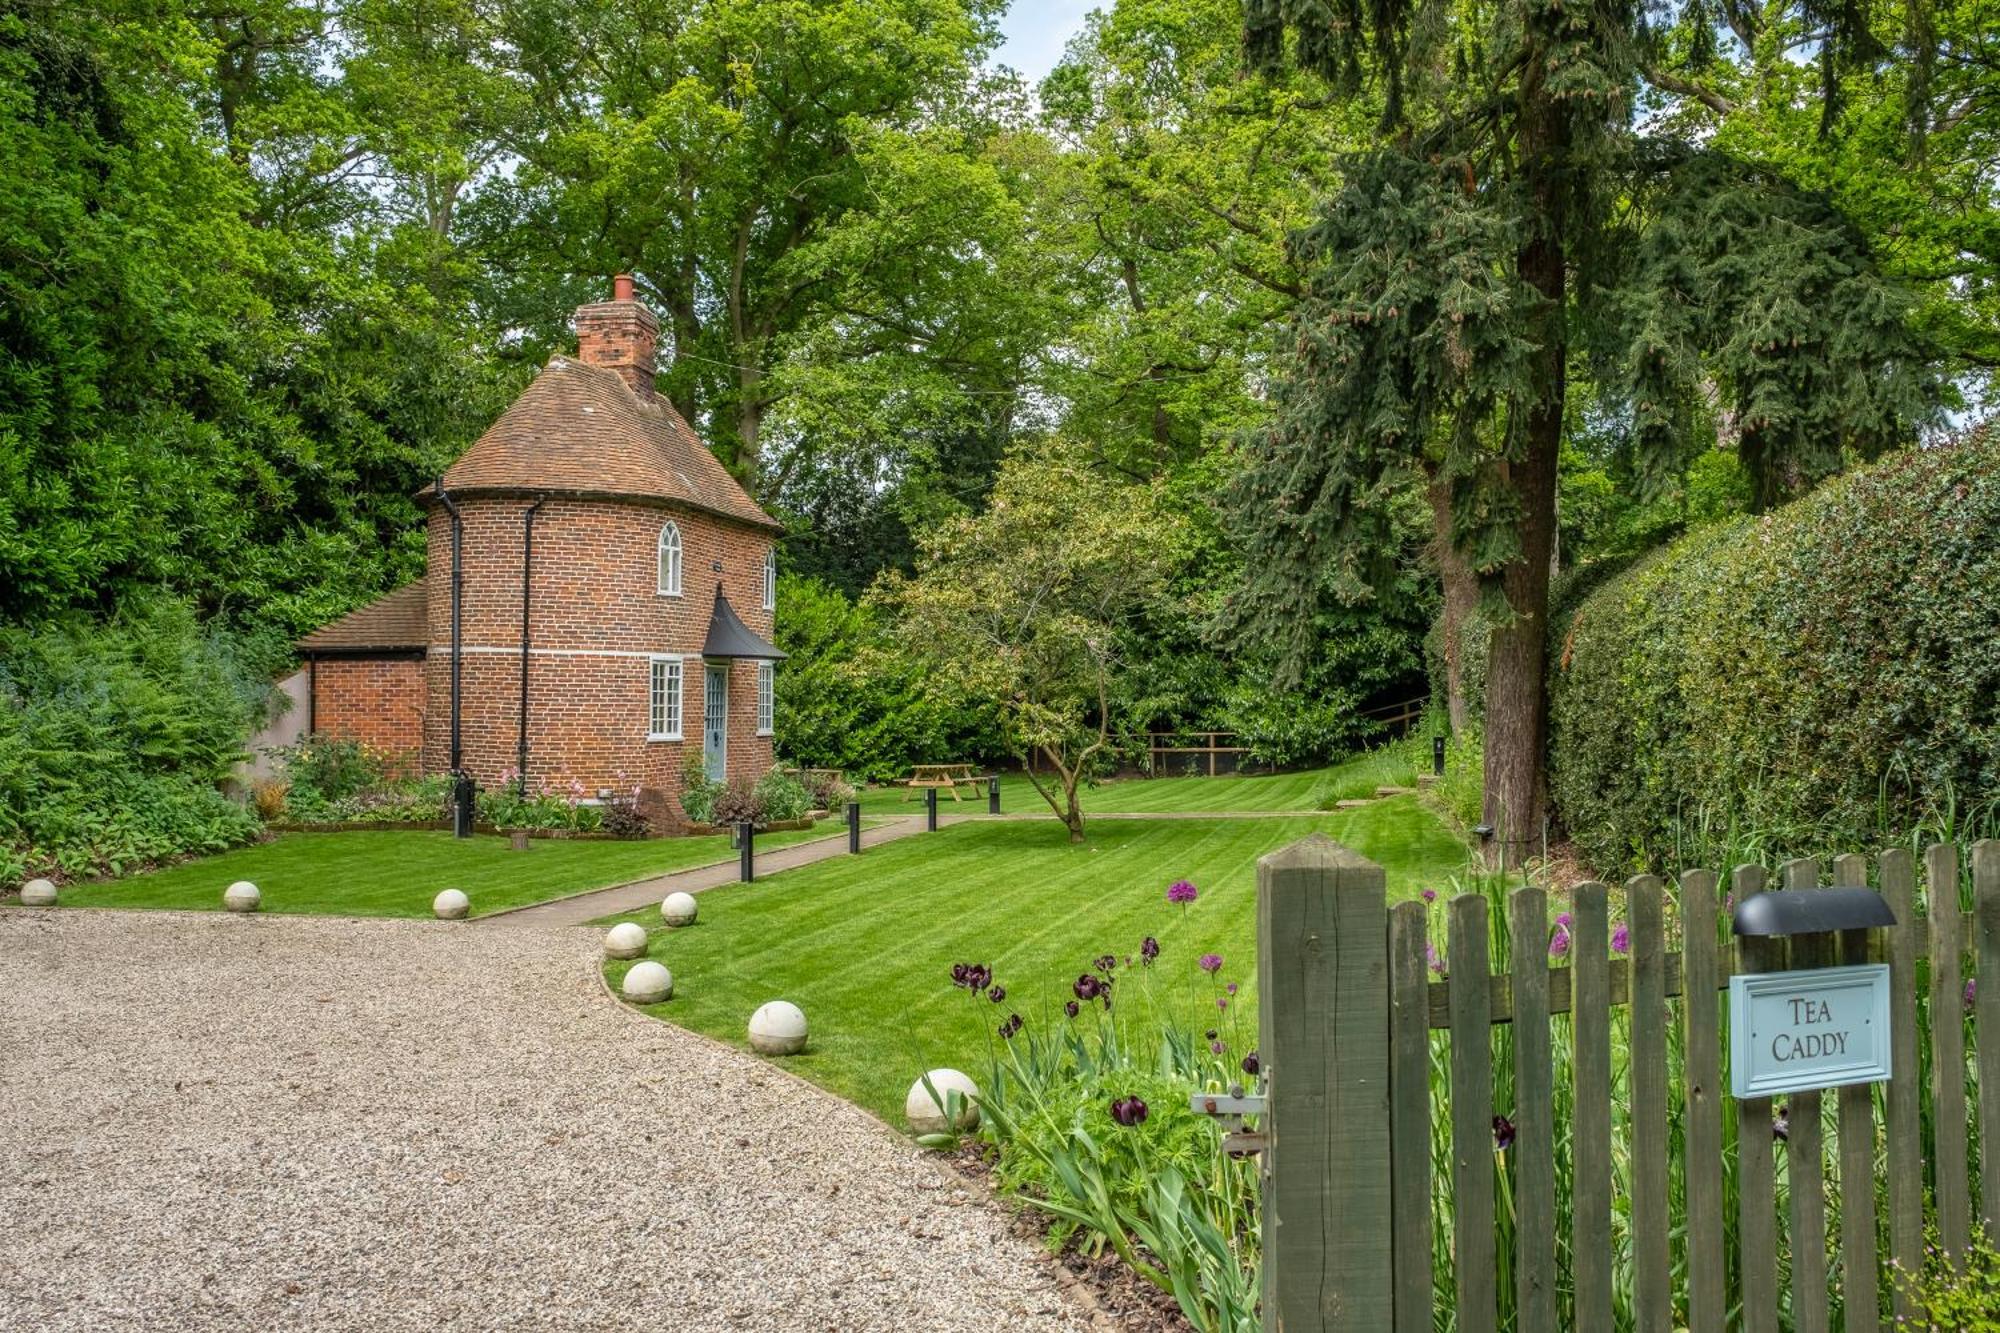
(1497, 231)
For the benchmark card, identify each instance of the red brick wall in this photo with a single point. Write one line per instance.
(594, 596)
(377, 701)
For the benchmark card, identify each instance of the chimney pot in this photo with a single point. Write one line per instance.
(621, 287)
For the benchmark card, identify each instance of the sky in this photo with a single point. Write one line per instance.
(1035, 31)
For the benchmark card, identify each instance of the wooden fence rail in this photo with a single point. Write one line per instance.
(1560, 1146)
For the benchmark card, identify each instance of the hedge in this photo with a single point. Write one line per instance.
(1823, 676)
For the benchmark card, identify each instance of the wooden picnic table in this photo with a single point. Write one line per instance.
(946, 777)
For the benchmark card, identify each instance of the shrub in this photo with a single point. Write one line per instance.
(698, 791)
(1821, 673)
(783, 795)
(847, 699)
(828, 791)
(324, 771)
(114, 736)
(506, 808)
(737, 802)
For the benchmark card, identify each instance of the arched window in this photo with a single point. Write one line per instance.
(670, 561)
(770, 580)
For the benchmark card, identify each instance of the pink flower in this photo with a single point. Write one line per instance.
(1430, 895)
(1559, 943)
(1564, 919)
(1621, 939)
(1210, 963)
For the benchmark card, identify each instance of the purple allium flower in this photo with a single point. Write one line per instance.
(1221, 1002)
(1430, 895)
(1251, 1064)
(1072, 1009)
(1565, 920)
(1971, 992)
(1503, 1133)
(1182, 891)
(1087, 987)
(1621, 938)
(1559, 943)
(997, 994)
(1434, 958)
(1149, 949)
(1128, 1111)
(1210, 963)
(1230, 989)
(1216, 1047)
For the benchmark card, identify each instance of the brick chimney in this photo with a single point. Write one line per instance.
(621, 335)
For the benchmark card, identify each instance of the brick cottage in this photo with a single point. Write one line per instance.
(640, 630)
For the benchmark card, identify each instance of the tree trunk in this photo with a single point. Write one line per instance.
(1461, 599)
(1516, 680)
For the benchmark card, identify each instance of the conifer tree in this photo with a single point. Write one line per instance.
(1515, 219)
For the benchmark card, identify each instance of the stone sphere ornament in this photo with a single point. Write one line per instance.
(242, 896)
(648, 983)
(925, 1106)
(678, 909)
(778, 1028)
(451, 905)
(38, 893)
(627, 939)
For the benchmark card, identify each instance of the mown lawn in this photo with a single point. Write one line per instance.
(865, 944)
(397, 873)
(1312, 789)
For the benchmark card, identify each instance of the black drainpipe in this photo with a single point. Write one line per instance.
(527, 596)
(461, 796)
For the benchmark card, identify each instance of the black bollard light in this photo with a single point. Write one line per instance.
(993, 795)
(746, 865)
(930, 808)
(1437, 755)
(854, 827)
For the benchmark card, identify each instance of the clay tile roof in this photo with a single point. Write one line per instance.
(581, 429)
(391, 622)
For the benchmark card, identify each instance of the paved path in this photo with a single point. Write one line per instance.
(584, 908)
(267, 1124)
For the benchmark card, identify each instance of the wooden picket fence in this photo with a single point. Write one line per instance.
(1348, 1012)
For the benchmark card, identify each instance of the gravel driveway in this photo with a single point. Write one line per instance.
(212, 1122)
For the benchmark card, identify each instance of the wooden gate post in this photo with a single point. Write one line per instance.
(1323, 1032)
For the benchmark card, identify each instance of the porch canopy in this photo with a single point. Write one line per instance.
(728, 636)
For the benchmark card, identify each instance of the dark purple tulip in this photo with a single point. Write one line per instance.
(1781, 1125)
(1209, 1035)
(1105, 963)
(997, 994)
(1072, 1009)
(1215, 1047)
(1149, 948)
(1011, 1026)
(981, 976)
(1251, 1064)
(959, 972)
(1503, 1133)
(1128, 1111)
(1087, 987)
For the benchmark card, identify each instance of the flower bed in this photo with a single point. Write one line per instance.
(1092, 1123)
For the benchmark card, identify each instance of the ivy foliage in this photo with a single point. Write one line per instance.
(1818, 674)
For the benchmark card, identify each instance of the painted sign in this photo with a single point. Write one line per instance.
(1820, 1028)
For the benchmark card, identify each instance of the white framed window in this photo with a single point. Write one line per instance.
(663, 719)
(670, 560)
(767, 697)
(770, 580)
